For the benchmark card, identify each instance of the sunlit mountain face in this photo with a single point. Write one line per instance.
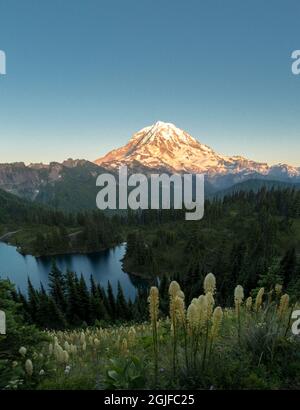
(165, 146)
(161, 147)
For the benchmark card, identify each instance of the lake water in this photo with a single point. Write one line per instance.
(104, 266)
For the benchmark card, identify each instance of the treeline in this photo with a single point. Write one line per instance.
(71, 302)
(277, 201)
(91, 232)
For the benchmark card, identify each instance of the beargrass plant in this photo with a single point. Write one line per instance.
(176, 297)
(238, 300)
(154, 308)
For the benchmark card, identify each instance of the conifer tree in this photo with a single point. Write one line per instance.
(288, 266)
(84, 300)
(72, 297)
(111, 302)
(121, 304)
(33, 302)
(57, 287)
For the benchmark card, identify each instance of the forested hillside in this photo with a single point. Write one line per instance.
(41, 230)
(250, 238)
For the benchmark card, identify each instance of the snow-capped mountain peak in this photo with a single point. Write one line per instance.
(164, 146)
(161, 145)
(163, 130)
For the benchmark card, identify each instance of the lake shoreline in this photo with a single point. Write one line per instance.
(65, 252)
(104, 266)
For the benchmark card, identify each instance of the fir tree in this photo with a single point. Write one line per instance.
(57, 287)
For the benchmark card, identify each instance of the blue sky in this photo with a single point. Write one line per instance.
(83, 75)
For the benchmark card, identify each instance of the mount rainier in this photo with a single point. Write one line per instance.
(165, 147)
(161, 147)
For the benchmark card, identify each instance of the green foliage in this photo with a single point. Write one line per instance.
(18, 334)
(125, 373)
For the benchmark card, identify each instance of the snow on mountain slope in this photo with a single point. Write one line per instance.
(164, 146)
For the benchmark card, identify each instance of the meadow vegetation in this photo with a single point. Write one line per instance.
(201, 346)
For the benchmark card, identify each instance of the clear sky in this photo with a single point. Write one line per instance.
(83, 75)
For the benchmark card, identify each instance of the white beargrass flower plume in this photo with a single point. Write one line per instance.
(259, 299)
(82, 338)
(180, 312)
(23, 351)
(191, 328)
(238, 300)
(174, 288)
(238, 296)
(217, 318)
(175, 294)
(179, 307)
(96, 342)
(153, 300)
(65, 357)
(209, 283)
(131, 335)
(74, 349)
(248, 303)
(192, 317)
(210, 302)
(202, 310)
(216, 322)
(61, 355)
(283, 305)
(154, 310)
(206, 307)
(29, 367)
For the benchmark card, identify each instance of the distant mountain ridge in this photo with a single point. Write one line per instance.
(70, 185)
(161, 147)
